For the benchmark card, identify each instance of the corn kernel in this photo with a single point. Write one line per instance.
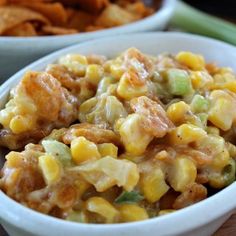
(191, 60)
(75, 63)
(5, 117)
(220, 114)
(94, 73)
(231, 149)
(116, 70)
(102, 207)
(177, 111)
(81, 186)
(127, 90)
(153, 185)
(20, 124)
(132, 212)
(83, 150)
(231, 86)
(183, 172)
(108, 149)
(86, 107)
(14, 159)
(220, 160)
(132, 135)
(50, 168)
(186, 134)
(201, 79)
(213, 130)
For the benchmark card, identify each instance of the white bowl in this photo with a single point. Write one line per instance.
(17, 52)
(200, 219)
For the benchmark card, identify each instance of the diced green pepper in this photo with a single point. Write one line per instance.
(129, 197)
(199, 104)
(225, 177)
(229, 172)
(203, 118)
(58, 150)
(179, 82)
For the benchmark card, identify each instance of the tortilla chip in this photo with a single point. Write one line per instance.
(79, 20)
(92, 28)
(88, 5)
(53, 30)
(11, 16)
(55, 12)
(3, 2)
(114, 15)
(22, 30)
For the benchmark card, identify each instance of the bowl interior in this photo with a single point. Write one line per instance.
(151, 43)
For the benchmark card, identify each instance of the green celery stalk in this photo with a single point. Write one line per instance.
(179, 82)
(199, 104)
(195, 21)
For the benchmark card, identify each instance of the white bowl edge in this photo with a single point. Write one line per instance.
(205, 211)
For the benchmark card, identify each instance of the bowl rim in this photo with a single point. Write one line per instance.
(177, 217)
(166, 9)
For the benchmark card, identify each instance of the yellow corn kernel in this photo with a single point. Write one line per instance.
(86, 107)
(20, 124)
(177, 111)
(50, 168)
(75, 62)
(231, 85)
(220, 160)
(231, 149)
(116, 70)
(132, 212)
(102, 207)
(165, 212)
(108, 149)
(81, 186)
(213, 130)
(191, 60)
(153, 185)
(14, 159)
(83, 150)
(132, 135)
(220, 114)
(126, 90)
(183, 172)
(187, 133)
(5, 117)
(94, 73)
(24, 105)
(201, 79)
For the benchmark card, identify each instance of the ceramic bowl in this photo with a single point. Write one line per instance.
(17, 52)
(202, 219)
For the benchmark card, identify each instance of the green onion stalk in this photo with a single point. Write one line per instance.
(190, 19)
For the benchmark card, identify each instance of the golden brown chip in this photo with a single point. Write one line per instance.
(53, 30)
(3, 2)
(89, 5)
(11, 16)
(79, 20)
(25, 29)
(55, 12)
(92, 28)
(91, 132)
(114, 15)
